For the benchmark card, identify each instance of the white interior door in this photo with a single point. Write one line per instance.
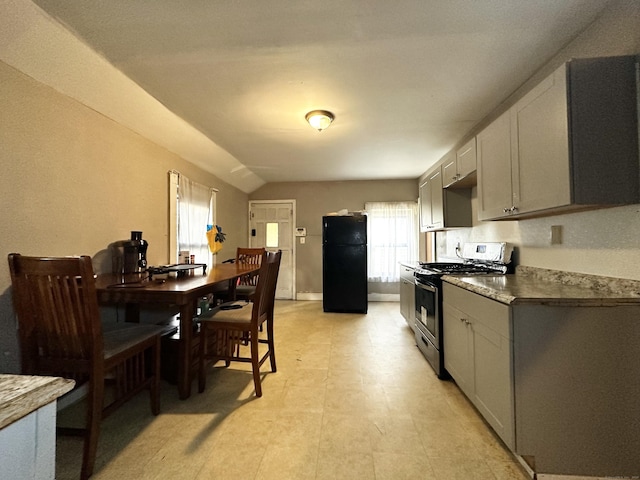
(271, 227)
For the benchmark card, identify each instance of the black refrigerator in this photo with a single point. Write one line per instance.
(344, 263)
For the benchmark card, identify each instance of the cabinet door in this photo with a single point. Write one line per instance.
(407, 295)
(456, 167)
(540, 153)
(466, 159)
(449, 170)
(431, 202)
(494, 169)
(493, 379)
(408, 302)
(457, 353)
(425, 206)
(478, 355)
(403, 298)
(437, 203)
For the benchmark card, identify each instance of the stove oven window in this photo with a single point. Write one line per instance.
(427, 311)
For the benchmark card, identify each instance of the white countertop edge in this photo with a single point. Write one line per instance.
(22, 394)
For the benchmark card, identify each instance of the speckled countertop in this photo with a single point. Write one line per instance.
(531, 285)
(22, 394)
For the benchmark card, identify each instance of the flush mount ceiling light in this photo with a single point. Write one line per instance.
(319, 119)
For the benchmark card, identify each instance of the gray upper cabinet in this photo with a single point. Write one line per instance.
(431, 202)
(457, 169)
(449, 170)
(466, 159)
(540, 149)
(442, 208)
(570, 143)
(494, 169)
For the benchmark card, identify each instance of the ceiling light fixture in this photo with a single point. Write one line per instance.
(319, 119)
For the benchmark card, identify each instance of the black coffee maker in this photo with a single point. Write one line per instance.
(130, 256)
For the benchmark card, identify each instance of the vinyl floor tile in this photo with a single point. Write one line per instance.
(353, 398)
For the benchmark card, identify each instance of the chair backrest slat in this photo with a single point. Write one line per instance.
(57, 308)
(249, 256)
(265, 290)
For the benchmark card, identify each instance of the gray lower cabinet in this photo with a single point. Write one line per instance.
(407, 295)
(557, 380)
(478, 346)
(577, 389)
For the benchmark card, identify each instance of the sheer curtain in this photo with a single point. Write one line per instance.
(195, 212)
(392, 238)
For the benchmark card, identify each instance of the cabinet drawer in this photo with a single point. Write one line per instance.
(493, 315)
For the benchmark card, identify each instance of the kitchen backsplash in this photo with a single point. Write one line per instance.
(599, 242)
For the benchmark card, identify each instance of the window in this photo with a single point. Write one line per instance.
(191, 210)
(272, 235)
(392, 238)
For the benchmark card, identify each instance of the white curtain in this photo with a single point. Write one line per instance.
(392, 237)
(195, 212)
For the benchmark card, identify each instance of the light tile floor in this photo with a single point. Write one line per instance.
(352, 399)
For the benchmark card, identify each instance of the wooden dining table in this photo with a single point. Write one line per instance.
(134, 290)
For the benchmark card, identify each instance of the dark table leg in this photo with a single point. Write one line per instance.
(185, 350)
(232, 289)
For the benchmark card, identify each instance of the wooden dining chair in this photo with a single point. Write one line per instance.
(61, 334)
(234, 324)
(245, 286)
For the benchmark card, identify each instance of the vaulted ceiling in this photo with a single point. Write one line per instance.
(406, 79)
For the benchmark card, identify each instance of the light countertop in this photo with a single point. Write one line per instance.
(531, 285)
(22, 394)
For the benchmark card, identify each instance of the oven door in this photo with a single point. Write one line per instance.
(427, 311)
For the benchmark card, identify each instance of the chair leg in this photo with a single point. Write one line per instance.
(270, 344)
(92, 433)
(255, 363)
(154, 391)
(202, 352)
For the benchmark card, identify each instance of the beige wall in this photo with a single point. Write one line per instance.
(602, 242)
(73, 181)
(315, 199)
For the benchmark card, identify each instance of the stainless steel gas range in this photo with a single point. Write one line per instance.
(476, 259)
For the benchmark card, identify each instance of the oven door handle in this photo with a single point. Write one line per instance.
(425, 286)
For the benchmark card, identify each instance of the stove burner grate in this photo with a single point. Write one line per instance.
(459, 268)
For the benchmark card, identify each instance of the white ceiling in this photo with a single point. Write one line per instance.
(406, 79)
